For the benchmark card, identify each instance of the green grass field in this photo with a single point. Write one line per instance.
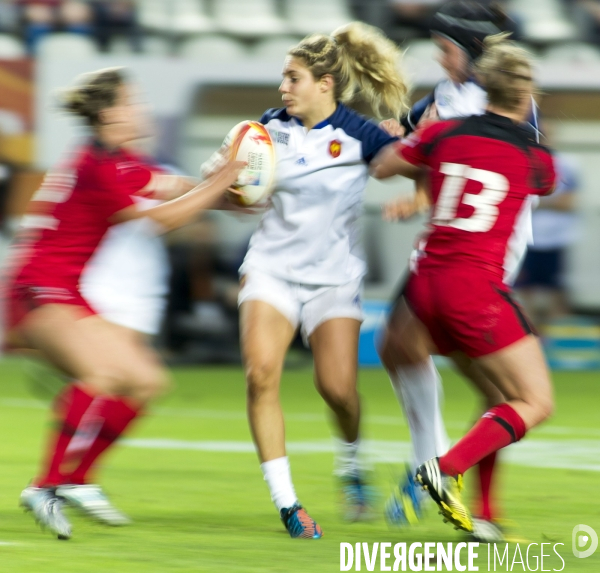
(191, 482)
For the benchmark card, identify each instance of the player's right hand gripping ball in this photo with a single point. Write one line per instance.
(252, 143)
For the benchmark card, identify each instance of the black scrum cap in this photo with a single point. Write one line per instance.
(466, 24)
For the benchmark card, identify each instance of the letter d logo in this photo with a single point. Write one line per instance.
(580, 541)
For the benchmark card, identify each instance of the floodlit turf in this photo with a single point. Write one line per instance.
(199, 510)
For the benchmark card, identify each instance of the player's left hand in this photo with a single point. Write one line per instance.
(404, 208)
(399, 209)
(392, 127)
(429, 116)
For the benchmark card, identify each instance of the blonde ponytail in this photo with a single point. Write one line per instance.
(362, 61)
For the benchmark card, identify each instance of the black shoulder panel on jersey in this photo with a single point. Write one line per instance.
(492, 126)
(501, 128)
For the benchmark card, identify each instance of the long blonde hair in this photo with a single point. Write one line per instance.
(361, 60)
(505, 72)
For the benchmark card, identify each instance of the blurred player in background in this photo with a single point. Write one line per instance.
(305, 268)
(126, 282)
(459, 29)
(46, 312)
(480, 171)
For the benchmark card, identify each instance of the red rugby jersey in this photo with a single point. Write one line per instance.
(482, 168)
(69, 214)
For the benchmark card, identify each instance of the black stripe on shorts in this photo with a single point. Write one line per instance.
(527, 326)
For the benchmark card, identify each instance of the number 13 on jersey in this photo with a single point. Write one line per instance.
(494, 190)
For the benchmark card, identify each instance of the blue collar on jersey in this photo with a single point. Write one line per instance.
(340, 109)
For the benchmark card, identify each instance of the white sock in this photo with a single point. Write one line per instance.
(419, 390)
(346, 461)
(279, 479)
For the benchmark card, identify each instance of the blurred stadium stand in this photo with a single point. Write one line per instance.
(213, 49)
(66, 46)
(250, 20)
(304, 14)
(574, 52)
(539, 22)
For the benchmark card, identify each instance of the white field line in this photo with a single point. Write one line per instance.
(210, 414)
(583, 454)
(399, 420)
(563, 454)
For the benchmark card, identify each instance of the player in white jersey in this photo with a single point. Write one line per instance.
(458, 29)
(305, 267)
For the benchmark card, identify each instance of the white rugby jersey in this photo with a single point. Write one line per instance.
(310, 232)
(459, 100)
(451, 100)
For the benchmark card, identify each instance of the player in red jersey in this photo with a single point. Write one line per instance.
(458, 28)
(45, 310)
(481, 170)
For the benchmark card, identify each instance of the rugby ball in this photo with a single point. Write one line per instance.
(251, 143)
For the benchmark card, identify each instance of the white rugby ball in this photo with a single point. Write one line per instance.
(251, 143)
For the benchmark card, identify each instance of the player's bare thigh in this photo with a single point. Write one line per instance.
(265, 334)
(471, 370)
(406, 339)
(133, 353)
(91, 349)
(137, 339)
(521, 374)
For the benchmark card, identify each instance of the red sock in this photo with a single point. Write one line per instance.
(486, 472)
(497, 428)
(117, 415)
(70, 407)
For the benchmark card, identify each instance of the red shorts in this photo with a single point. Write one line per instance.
(21, 299)
(466, 309)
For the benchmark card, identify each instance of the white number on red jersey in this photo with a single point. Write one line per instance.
(56, 187)
(485, 203)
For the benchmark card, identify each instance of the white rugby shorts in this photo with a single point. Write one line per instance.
(304, 305)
